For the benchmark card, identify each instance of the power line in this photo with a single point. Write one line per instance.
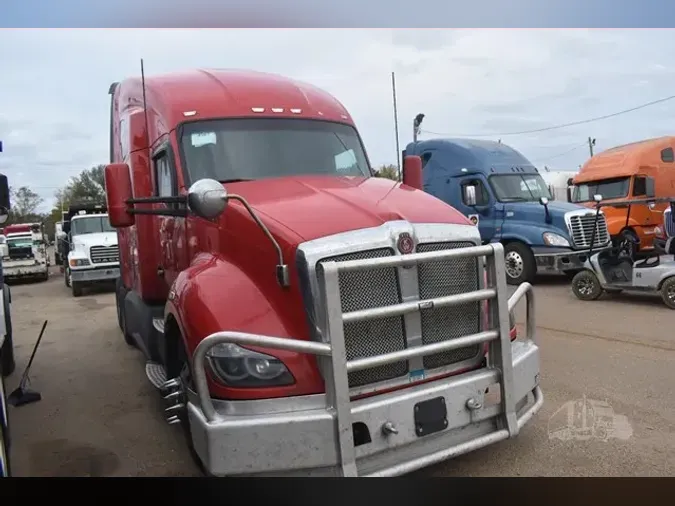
(561, 154)
(555, 127)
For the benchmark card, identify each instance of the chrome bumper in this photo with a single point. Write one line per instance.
(313, 435)
(558, 262)
(94, 275)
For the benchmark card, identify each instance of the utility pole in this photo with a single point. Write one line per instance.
(398, 148)
(591, 143)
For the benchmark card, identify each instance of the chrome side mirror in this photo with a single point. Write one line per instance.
(543, 201)
(470, 195)
(597, 197)
(207, 198)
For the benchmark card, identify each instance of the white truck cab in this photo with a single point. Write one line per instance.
(93, 253)
(25, 255)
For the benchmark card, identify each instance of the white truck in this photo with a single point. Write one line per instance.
(26, 253)
(90, 247)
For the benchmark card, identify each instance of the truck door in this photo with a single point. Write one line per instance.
(484, 213)
(171, 228)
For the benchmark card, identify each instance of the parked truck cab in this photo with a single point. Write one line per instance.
(636, 171)
(300, 316)
(90, 248)
(509, 201)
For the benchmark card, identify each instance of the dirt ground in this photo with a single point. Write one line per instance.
(99, 415)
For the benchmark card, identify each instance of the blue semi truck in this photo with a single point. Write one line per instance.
(503, 193)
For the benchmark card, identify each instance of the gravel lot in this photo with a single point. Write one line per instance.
(101, 417)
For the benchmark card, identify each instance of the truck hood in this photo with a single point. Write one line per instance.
(534, 212)
(303, 208)
(98, 239)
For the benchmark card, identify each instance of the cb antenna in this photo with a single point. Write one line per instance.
(145, 109)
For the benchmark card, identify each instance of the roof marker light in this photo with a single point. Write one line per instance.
(296, 111)
(320, 113)
(344, 116)
(277, 109)
(258, 109)
(189, 113)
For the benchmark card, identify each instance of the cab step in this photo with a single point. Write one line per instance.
(156, 374)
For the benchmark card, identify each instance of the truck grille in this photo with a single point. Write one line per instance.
(581, 230)
(449, 277)
(366, 290)
(380, 287)
(104, 254)
(668, 224)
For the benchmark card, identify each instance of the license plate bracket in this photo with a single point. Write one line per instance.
(430, 416)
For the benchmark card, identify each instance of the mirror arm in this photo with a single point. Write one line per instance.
(179, 213)
(282, 269)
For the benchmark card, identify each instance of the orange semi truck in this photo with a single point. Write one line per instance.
(632, 171)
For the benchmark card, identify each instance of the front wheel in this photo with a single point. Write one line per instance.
(668, 292)
(66, 277)
(520, 263)
(7, 362)
(586, 286)
(76, 288)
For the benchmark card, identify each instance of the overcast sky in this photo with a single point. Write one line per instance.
(54, 103)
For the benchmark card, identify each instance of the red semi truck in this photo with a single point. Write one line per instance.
(301, 316)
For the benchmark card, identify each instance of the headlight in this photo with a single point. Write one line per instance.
(78, 262)
(235, 366)
(551, 239)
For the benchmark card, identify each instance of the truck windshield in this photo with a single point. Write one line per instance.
(20, 242)
(251, 148)
(92, 225)
(614, 188)
(519, 187)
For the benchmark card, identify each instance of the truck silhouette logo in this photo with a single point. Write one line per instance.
(585, 419)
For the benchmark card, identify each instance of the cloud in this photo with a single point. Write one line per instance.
(54, 104)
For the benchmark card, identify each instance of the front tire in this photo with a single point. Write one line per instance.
(520, 263)
(5, 469)
(122, 319)
(76, 288)
(66, 277)
(586, 286)
(668, 292)
(7, 362)
(185, 375)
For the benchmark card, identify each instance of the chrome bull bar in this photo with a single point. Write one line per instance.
(337, 390)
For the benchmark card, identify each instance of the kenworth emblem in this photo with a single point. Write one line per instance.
(405, 243)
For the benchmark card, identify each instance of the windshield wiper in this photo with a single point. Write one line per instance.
(515, 199)
(234, 180)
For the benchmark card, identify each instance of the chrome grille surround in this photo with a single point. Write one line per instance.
(391, 286)
(104, 254)
(580, 227)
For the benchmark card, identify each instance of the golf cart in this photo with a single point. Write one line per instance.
(616, 269)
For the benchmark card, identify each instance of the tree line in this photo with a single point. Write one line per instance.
(89, 185)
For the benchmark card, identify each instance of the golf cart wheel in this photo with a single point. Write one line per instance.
(520, 263)
(668, 292)
(586, 286)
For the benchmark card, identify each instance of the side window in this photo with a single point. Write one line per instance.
(164, 177)
(667, 155)
(482, 195)
(425, 158)
(639, 186)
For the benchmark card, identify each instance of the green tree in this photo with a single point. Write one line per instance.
(389, 171)
(25, 203)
